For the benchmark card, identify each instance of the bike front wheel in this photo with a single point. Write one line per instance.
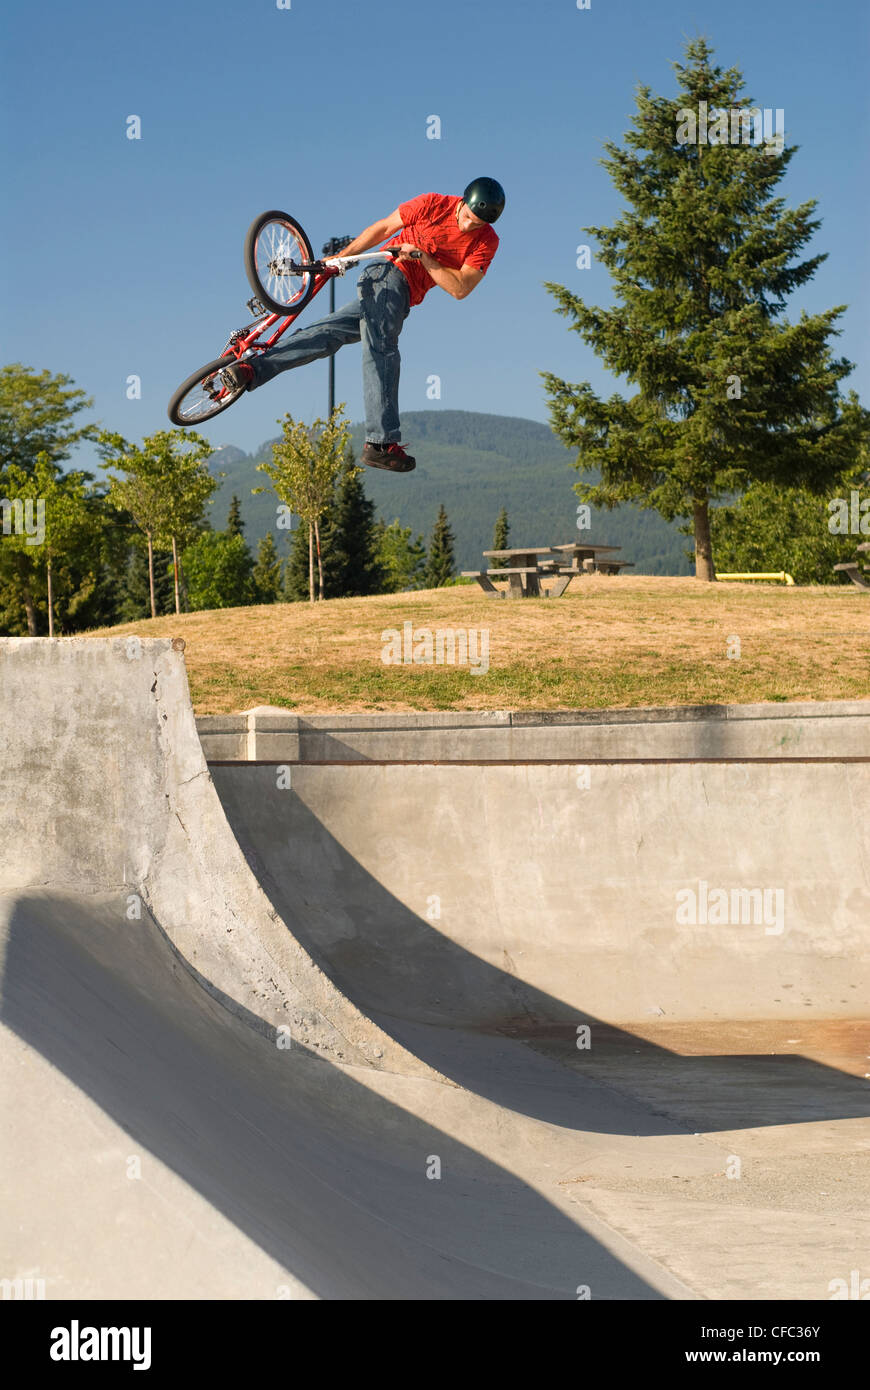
(274, 245)
(203, 395)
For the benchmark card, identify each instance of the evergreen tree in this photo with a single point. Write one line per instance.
(501, 537)
(133, 594)
(351, 548)
(296, 564)
(440, 566)
(702, 261)
(235, 526)
(402, 559)
(267, 571)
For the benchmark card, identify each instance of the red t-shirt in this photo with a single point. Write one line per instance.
(430, 223)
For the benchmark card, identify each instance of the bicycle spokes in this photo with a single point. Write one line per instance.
(206, 397)
(279, 254)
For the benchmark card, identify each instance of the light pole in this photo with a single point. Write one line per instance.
(332, 248)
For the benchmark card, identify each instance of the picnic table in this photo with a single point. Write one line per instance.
(857, 574)
(528, 565)
(585, 558)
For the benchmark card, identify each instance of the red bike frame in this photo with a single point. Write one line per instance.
(245, 340)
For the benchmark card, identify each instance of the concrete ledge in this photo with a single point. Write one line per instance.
(801, 731)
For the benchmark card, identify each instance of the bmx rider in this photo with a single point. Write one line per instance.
(456, 240)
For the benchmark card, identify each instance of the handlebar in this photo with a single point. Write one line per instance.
(337, 265)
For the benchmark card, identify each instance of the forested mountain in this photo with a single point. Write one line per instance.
(475, 464)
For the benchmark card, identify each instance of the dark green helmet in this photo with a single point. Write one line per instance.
(485, 197)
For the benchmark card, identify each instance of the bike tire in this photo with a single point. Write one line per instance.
(261, 289)
(188, 388)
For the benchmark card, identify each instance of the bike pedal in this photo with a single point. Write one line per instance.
(256, 308)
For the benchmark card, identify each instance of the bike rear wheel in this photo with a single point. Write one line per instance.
(274, 240)
(203, 395)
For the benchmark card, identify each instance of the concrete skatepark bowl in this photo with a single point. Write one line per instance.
(426, 1006)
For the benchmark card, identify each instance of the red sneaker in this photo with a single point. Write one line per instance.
(390, 456)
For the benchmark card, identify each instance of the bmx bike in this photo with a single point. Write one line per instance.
(285, 276)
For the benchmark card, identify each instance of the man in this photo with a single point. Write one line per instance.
(454, 242)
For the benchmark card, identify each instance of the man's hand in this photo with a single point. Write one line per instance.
(404, 252)
(457, 283)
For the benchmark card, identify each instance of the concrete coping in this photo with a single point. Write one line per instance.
(805, 730)
(274, 717)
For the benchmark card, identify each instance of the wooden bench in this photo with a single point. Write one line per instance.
(856, 574)
(613, 566)
(514, 575)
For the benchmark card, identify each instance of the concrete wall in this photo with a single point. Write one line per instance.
(496, 895)
(837, 729)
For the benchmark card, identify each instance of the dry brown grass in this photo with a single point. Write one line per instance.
(608, 642)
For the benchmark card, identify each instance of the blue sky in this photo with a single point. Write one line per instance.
(125, 257)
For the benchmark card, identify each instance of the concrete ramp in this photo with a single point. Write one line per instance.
(106, 790)
(308, 1027)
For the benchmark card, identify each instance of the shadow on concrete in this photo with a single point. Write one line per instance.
(472, 1021)
(324, 1174)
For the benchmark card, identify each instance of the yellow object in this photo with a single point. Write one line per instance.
(780, 575)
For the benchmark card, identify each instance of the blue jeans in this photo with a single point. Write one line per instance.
(375, 318)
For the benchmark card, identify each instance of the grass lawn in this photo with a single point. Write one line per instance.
(608, 642)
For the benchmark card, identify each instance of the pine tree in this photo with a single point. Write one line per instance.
(402, 558)
(235, 525)
(501, 537)
(267, 571)
(133, 592)
(727, 391)
(295, 586)
(296, 565)
(440, 566)
(354, 568)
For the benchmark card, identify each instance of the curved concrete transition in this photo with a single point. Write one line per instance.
(579, 1017)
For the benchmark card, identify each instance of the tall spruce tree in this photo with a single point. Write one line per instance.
(267, 571)
(296, 565)
(440, 565)
(401, 556)
(235, 524)
(500, 537)
(729, 392)
(133, 595)
(355, 569)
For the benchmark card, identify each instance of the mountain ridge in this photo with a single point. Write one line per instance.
(475, 464)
